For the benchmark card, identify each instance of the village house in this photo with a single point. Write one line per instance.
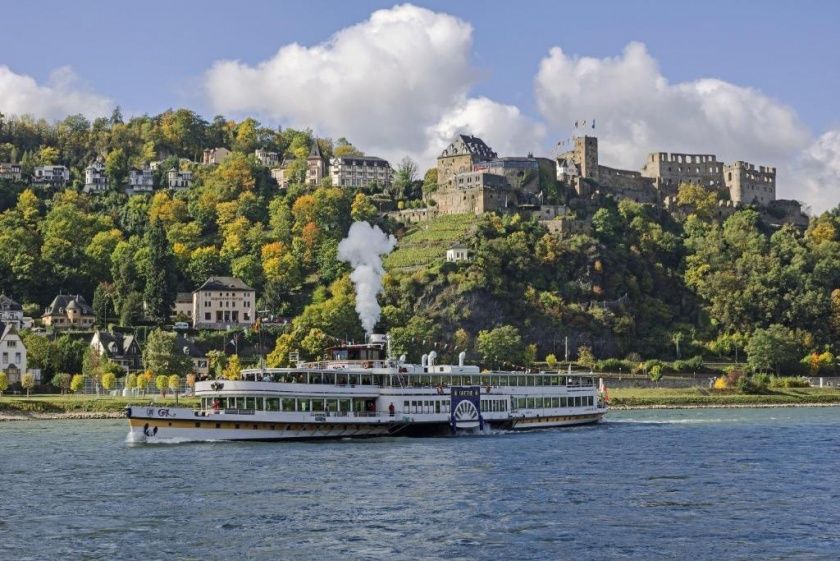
(177, 179)
(53, 176)
(123, 350)
(316, 165)
(140, 181)
(457, 252)
(267, 158)
(12, 312)
(11, 172)
(214, 156)
(360, 171)
(13, 354)
(199, 359)
(222, 303)
(69, 311)
(95, 179)
(183, 307)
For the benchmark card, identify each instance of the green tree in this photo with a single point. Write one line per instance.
(161, 383)
(501, 346)
(551, 361)
(62, 382)
(4, 382)
(116, 167)
(77, 383)
(103, 305)
(232, 368)
(109, 381)
(161, 354)
(159, 293)
(174, 384)
(585, 357)
(27, 382)
(131, 381)
(771, 349)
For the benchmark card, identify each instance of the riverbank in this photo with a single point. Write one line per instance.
(55, 407)
(691, 398)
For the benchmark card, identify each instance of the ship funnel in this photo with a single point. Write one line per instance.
(461, 356)
(423, 360)
(432, 357)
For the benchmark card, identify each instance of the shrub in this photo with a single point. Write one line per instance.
(789, 382)
(614, 365)
(655, 372)
(752, 384)
(691, 365)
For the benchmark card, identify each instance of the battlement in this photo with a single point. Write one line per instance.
(676, 158)
(741, 165)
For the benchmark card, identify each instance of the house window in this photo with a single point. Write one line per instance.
(11, 344)
(207, 316)
(17, 358)
(5, 358)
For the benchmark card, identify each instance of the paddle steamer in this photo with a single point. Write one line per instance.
(361, 391)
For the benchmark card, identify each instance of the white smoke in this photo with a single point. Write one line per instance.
(363, 248)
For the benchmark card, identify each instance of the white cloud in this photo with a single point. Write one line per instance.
(819, 171)
(638, 111)
(502, 127)
(62, 95)
(391, 84)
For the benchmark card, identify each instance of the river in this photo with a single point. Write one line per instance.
(667, 484)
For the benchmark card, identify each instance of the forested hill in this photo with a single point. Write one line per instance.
(643, 284)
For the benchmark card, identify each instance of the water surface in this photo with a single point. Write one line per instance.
(700, 484)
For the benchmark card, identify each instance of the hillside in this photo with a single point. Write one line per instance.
(426, 243)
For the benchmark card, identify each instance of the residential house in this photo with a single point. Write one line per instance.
(223, 302)
(199, 358)
(360, 171)
(69, 311)
(316, 165)
(214, 156)
(458, 252)
(11, 172)
(12, 353)
(266, 158)
(95, 179)
(124, 350)
(52, 176)
(183, 307)
(177, 179)
(282, 174)
(140, 181)
(12, 313)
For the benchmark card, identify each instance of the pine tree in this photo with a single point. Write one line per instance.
(159, 293)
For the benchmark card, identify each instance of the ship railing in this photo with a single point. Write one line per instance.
(339, 365)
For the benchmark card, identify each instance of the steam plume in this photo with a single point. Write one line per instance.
(363, 248)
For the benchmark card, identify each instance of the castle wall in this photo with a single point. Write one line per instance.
(749, 184)
(668, 170)
(474, 192)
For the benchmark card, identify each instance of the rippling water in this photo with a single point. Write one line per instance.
(700, 484)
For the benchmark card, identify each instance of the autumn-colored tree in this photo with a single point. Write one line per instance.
(232, 369)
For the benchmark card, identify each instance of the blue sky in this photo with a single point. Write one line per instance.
(152, 55)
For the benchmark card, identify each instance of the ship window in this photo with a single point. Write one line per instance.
(437, 406)
(250, 403)
(272, 404)
(236, 426)
(218, 425)
(317, 405)
(531, 403)
(287, 404)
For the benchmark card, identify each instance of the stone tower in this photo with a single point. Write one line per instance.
(316, 165)
(750, 185)
(460, 156)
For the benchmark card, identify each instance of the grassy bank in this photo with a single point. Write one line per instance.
(693, 397)
(56, 404)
